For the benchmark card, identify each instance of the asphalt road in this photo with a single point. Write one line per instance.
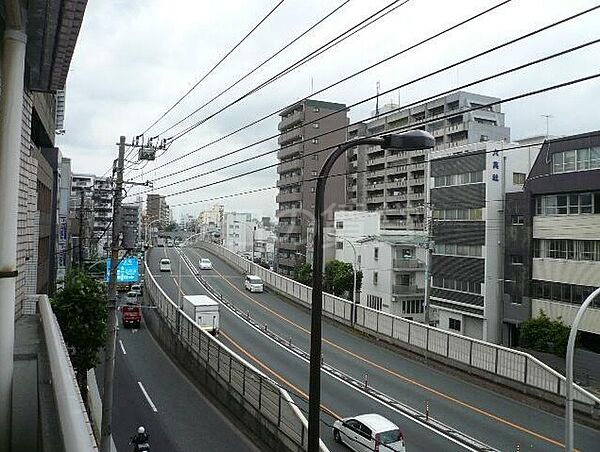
(499, 421)
(174, 412)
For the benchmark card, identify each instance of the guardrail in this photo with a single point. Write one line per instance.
(75, 426)
(258, 401)
(502, 365)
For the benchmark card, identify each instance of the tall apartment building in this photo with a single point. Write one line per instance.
(131, 218)
(92, 220)
(552, 254)
(394, 182)
(307, 128)
(158, 209)
(63, 255)
(468, 187)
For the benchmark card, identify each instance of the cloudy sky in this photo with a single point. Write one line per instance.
(135, 58)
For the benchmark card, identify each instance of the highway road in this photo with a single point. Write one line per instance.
(490, 417)
(151, 391)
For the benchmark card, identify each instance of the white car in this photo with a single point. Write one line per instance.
(137, 288)
(253, 283)
(165, 265)
(205, 264)
(369, 432)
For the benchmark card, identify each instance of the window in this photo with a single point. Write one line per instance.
(579, 250)
(315, 141)
(483, 138)
(519, 178)
(374, 302)
(516, 259)
(517, 219)
(472, 177)
(315, 125)
(316, 109)
(339, 225)
(376, 253)
(571, 204)
(454, 324)
(339, 245)
(312, 189)
(375, 278)
(457, 284)
(576, 160)
(458, 214)
(451, 249)
(315, 156)
(313, 172)
(566, 293)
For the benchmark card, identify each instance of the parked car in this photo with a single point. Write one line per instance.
(369, 432)
(137, 288)
(132, 296)
(165, 265)
(205, 264)
(253, 283)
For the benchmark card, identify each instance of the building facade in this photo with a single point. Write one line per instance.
(308, 129)
(552, 258)
(394, 182)
(468, 187)
(236, 231)
(158, 209)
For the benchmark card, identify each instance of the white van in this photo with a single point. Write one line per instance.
(165, 265)
(253, 283)
(369, 432)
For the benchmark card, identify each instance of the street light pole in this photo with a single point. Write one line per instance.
(411, 140)
(569, 438)
(179, 277)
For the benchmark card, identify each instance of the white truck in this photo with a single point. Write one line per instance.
(204, 311)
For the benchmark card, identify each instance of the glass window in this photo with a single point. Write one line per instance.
(569, 164)
(561, 204)
(595, 157)
(454, 324)
(375, 278)
(477, 176)
(549, 205)
(315, 125)
(516, 259)
(558, 160)
(516, 219)
(585, 203)
(339, 245)
(463, 250)
(450, 248)
(583, 159)
(315, 141)
(339, 225)
(465, 178)
(476, 214)
(376, 253)
(518, 178)
(573, 204)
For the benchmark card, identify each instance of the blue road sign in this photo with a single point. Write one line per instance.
(127, 271)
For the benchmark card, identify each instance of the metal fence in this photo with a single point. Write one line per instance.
(262, 405)
(514, 368)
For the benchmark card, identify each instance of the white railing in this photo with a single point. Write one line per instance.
(490, 361)
(76, 429)
(260, 396)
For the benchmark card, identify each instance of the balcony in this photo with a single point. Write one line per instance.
(375, 174)
(401, 289)
(393, 224)
(396, 197)
(395, 170)
(407, 264)
(284, 228)
(288, 197)
(397, 183)
(417, 166)
(416, 196)
(289, 180)
(292, 120)
(290, 246)
(375, 199)
(289, 151)
(287, 261)
(290, 166)
(455, 128)
(286, 213)
(289, 136)
(417, 181)
(376, 161)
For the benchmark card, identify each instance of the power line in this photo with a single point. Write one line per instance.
(234, 132)
(403, 128)
(327, 46)
(449, 115)
(215, 66)
(289, 44)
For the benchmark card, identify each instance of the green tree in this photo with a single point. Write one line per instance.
(303, 274)
(338, 278)
(81, 310)
(544, 335)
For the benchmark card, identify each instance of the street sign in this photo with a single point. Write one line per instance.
(127, 270)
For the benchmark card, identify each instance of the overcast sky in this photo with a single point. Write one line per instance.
(135, 58)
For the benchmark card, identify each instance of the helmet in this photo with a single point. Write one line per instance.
(141, 429)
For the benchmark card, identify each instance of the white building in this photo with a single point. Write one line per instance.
(236, 231)
(213, 218)
(393, 268)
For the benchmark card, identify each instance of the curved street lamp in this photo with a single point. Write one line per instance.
(411, 140)
(354, 271)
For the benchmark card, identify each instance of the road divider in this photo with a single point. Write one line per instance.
(148, 399)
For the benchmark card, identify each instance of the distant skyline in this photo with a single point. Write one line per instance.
(125, 74)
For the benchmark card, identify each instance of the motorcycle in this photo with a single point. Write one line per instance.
(141, 447)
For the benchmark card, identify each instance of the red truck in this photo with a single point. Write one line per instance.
(131, 315)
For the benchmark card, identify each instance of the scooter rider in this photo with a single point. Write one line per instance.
(141, 438)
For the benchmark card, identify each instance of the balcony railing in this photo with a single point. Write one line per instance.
(289, 136)
(290, 166)
(401, 289)
(289, 151)
(404, 264)
(291, 120)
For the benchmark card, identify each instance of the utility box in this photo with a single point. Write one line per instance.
(204, 311)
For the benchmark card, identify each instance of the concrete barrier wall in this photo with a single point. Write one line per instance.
(264, 408)
(502, 365)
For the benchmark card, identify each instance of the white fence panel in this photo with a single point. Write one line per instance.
(438, 342)
(459, 349)
(370, 319)
(511, 365)
(484, 357)
(385, 324)
(538, 376)
(418, 336)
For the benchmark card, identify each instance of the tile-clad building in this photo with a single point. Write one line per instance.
(553, 236)
(394, 182)
(468, 185)
(306, 128)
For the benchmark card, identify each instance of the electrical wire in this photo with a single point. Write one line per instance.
(492, 49)
(214, 67)
(289, 44)
(323, 48)
(417, 124)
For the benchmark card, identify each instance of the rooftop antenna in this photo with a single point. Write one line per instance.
(377, 100)
(547, 123)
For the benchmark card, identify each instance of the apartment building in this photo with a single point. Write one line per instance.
(307, 130)
(394, 182)
(131, 220)
(64, 246)
(468, 187)
(158, 209)
(552, 257)
(236, 231)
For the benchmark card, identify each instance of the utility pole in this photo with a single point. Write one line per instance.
(428, 252)
(81, 227)
(111, 336)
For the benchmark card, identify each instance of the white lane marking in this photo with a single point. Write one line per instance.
(150, 402)
(122, 347)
